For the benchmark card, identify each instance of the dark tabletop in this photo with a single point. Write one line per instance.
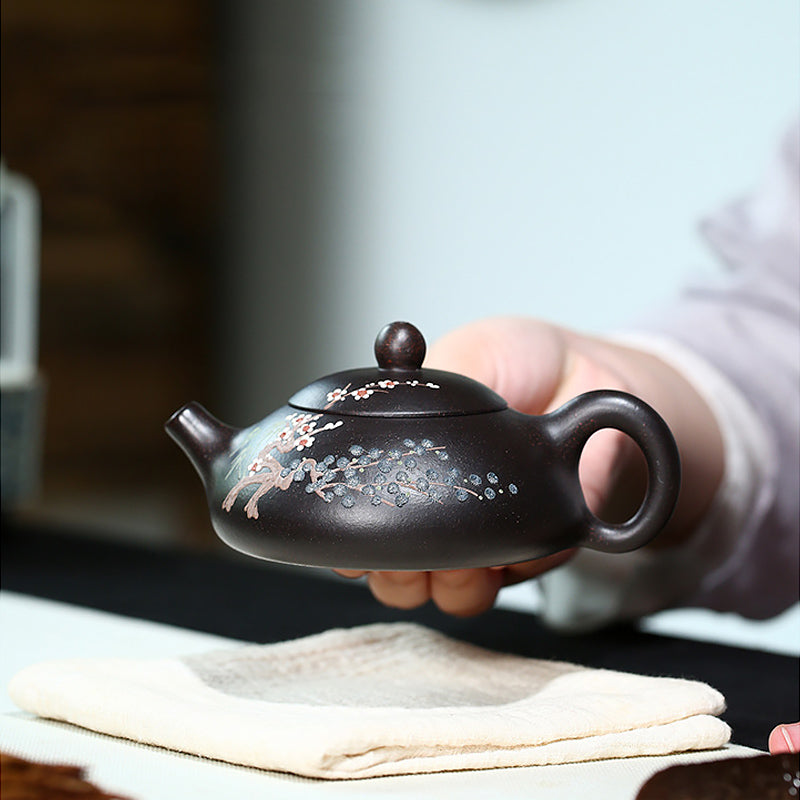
(254, 601)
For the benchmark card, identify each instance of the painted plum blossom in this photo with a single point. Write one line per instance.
(267, 471)
(368, 389)
(388, 477)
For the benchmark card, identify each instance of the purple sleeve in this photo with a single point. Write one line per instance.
(747, 326)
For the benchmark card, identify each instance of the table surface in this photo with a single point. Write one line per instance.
(174, 602)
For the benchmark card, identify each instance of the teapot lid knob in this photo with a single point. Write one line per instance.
(400, 346)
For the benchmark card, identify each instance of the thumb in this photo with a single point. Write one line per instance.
(521, 359)
(536, 367)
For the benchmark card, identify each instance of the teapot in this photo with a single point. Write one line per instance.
(400, 467)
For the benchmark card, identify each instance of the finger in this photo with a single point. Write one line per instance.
(589, 367)
(521, 359)
(350, 573)
(400, 589)
(602, 460)
(465, 592)
(785, 739)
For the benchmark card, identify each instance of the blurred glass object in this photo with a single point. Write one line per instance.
(21, 411)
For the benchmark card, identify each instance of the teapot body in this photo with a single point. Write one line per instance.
(405, 468)
(411, 494)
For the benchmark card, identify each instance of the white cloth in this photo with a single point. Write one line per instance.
(376, 700)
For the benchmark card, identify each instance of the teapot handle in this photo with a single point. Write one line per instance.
(573, 424)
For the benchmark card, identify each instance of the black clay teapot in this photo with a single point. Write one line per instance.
(404, 468)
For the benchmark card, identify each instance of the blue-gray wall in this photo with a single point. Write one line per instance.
(441, 160)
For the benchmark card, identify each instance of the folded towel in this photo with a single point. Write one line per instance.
(381, 699)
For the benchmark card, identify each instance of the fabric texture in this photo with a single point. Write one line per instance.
(737, 340)
(376, 700)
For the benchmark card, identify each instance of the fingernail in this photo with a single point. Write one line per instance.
(785, 739)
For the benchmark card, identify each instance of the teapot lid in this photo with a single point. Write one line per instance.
(399, 386)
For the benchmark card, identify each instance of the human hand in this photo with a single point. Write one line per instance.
(537, 367)
(785, 739)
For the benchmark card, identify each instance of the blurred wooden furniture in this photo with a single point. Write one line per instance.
(110, 109)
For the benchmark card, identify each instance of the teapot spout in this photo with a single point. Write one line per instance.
(201, 436)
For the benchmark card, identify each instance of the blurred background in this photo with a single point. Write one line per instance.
(235, 196)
